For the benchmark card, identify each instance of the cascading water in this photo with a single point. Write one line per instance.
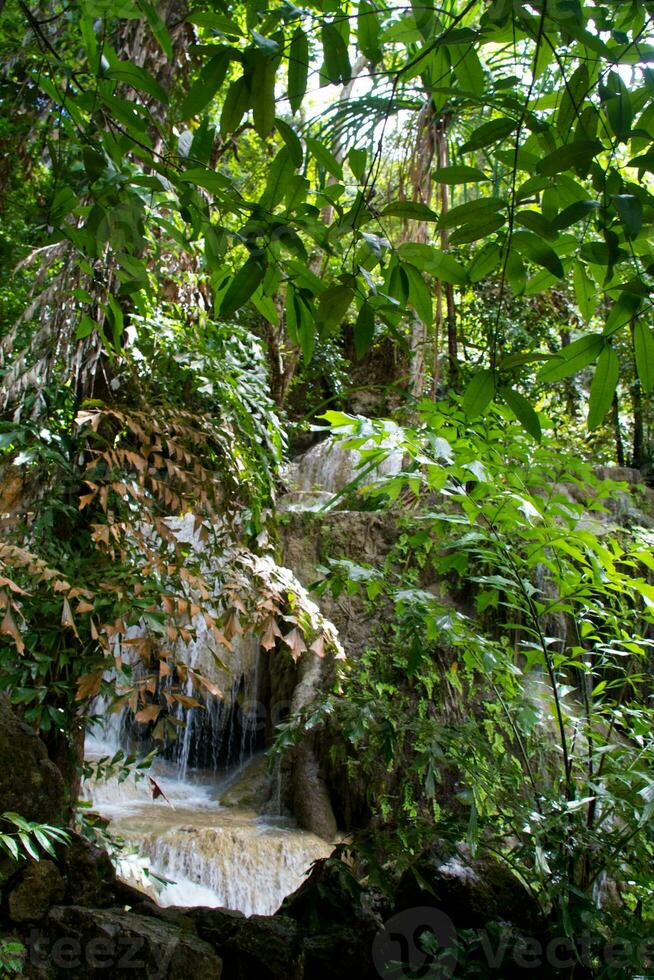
(317, 476)
(207, 853)
(240, 853)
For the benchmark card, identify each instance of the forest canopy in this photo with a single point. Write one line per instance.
(380, 163)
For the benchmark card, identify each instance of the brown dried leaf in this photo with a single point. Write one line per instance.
(145, 715)
(295, 642)
(9, 628)
(88, 685)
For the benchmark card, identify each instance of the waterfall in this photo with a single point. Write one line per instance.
(201, 842)
(208, 853)
(318, 475)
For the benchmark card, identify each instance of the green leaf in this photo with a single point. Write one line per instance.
(300, 322)
(534, 248)
(577, 155)
(490, 132)
(368, 30)
(364, 330)
(429, 259)
(206, 84)
(281, 171)
(211, 180)
(85, 328)
(333, 304)
(585, 291)
(263, 93)
(28, 845)
(631, 213)
(10, 844)
(620, 114)
(603, 386)
(573, 358)
(409, 209)
(298, 69)
(458, 175)
(158, 28)
(290, 137)
(138, 78)
(480, 228)
(573, 100)
(242, 286)
(644, 354)
(479, 393)
(523, 411)
(419, 294)
(471, 211)
(577, 211)
(622, 312)
(236, 104)
(643, 162)
(357, 161)
(215, 21)
(534, 221)
(324, 157)
(337, 60)
(484, 262)
(268, 45)
(447, 269)
(469, 73)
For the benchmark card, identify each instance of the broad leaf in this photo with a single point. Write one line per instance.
(242, 286)
(479, 393)
(409, 209)
(644, 354)
(206, 84)
(603, 386)
(523, 411)
(573, 358)
(324, 157)
(458, 175)
(298, 69)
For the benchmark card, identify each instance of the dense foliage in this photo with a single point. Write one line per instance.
(507, 699)
(219, 218)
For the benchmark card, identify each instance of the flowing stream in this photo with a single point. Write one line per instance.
(209, 853)
(215, 836)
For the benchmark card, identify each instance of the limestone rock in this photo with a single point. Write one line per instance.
(87, 943)
(251, 789)
(264, 949)
(30, 784)
(39, 887)
(90, 875)
(330, 896)
(216, 926)
(471, 891)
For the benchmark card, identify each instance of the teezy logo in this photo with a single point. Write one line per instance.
(416, 944)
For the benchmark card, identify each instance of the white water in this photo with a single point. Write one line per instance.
(209, 853)
(212, 855)
(316, 477)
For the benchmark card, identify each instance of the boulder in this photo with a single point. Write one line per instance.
(34, 891)
(90, 876)
(83, 943)
(329, 896)
(471, 891)
(252, 787)
(264, 948)
(30, 784)
(338, 954)
(216, 926)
